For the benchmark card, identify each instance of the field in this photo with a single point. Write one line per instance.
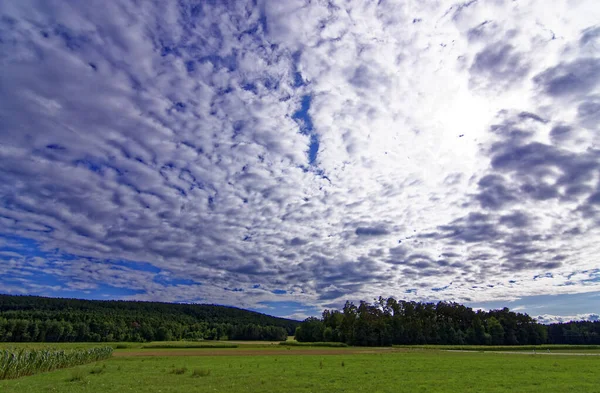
(175, 367)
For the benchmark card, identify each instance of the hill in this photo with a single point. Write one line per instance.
(35, 318)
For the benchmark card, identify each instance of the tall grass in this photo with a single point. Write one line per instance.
(15, 363)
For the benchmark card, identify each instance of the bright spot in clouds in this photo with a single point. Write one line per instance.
(289, 155)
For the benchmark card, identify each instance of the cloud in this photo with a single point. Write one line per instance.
(566, 79)
(372, 231)
(333, 151)
(515, 220)
(498, 65)
(549, 319)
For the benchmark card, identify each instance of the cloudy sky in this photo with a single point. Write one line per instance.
(285, 156)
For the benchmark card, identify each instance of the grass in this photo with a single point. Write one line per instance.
(314, 344)
(135, 346)
(378, 372)
(98, 370)
(64, 345)
(188, 346)
(179, 371)
(122, 345)
(200, 372)
(540, 348)
(77, 375)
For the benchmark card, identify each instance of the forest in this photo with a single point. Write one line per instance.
(390, 321)
(33, 318)
(381, 323)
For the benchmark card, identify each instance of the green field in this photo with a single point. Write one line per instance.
(505, 348)
(273, 368)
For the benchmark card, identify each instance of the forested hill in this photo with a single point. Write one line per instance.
(33, 318)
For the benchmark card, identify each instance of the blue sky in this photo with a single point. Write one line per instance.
(287, 156)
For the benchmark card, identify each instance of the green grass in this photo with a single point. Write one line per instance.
(540, 348)
(77, 375)
(179, 371)
(136, 346)
(402, 371)
(314, 344)
(201, 372)
(188, 346)
(36, 345)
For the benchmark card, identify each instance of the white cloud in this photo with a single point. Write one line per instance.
(548, 319)
(165, 134)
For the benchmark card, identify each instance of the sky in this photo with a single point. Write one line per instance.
(287, 156)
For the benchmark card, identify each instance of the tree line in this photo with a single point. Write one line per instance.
(390, 321)
(33, 318)
(383, 322)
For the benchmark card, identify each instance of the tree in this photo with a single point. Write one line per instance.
(311, 330)
(32, 318)
(496, 331)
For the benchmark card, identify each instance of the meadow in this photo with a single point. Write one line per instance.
(275, 368)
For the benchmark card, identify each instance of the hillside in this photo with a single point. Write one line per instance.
(34, 318)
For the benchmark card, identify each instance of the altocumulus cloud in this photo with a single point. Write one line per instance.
(251, 153)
